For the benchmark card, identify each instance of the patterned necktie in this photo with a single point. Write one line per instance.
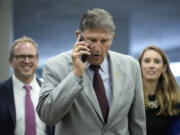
(30, 128)
(100, 91)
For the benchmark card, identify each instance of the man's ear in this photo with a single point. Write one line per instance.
(112, 38)
(77, 33)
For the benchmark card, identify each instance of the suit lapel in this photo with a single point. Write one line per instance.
(90, 93)
(89, 90)
(39, 82)
(117, 79)
(11, 103)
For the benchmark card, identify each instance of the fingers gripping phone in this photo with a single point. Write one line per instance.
(84, 56)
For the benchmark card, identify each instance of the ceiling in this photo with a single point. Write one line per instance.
(52, 23)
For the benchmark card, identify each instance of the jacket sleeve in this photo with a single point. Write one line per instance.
(58, 91)
(137, 117)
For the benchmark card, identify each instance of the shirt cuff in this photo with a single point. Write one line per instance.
(77, 78)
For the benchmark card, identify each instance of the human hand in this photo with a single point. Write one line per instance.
(80, 48)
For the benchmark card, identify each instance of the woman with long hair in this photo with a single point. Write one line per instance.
(161, 93)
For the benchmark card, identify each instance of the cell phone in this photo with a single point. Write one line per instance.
(84, 56)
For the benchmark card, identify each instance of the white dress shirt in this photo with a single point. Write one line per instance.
(19, 97)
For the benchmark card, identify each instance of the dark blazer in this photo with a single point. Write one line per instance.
(174, 126)
(7, 109)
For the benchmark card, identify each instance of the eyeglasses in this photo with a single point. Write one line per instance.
(23, 57)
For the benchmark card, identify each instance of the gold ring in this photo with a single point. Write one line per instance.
(76, 49)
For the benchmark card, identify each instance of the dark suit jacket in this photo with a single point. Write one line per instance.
(7, 109)
(174, 125)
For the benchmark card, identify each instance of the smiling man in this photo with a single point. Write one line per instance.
(91, 90)
(19, 94)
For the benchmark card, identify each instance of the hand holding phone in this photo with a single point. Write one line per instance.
(84, 56)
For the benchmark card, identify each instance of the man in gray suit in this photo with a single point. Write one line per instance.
(71, 97)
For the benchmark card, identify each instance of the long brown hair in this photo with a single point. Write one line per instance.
(167, 91)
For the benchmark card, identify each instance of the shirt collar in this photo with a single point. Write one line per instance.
(103, 65)
(20, 84)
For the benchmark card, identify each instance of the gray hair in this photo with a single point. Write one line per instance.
(97, 19)
(24, 39)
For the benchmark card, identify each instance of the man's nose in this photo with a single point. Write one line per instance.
(26, 59)
(96, 45)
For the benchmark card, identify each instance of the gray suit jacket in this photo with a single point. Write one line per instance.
(74, 108)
